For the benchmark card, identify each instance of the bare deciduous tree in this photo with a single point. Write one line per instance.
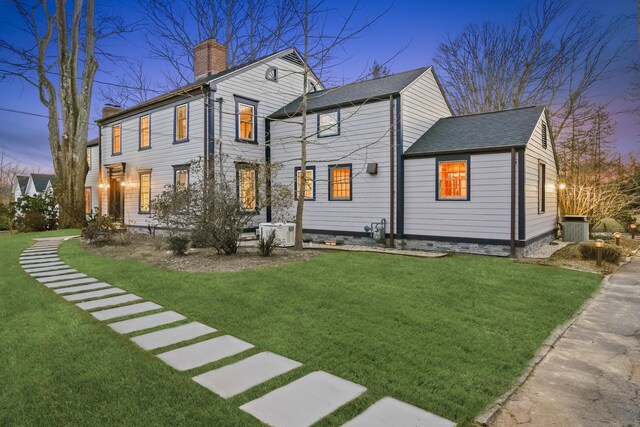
(60, 61)
(9, 171)
(553, 54)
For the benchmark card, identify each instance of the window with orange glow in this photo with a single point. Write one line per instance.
(340, 182)
(87, 200)
(181, 122)
(145, 192)
(453, 180)
(144, 132)
(116, 147)
(246, 122)
(309, 192)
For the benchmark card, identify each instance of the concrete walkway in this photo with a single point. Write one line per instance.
(592, 375)
(300, 403)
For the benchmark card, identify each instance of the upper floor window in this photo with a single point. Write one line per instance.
(181, 123)
(453, 179)
(246, 119)
(542, 185)
(309, 185)
(144, 132)
(340, 182)
(116, 145)
(181, 177)
(272, 74)
(247, 187)
(329, 123)
(144, 205)
(89, 158)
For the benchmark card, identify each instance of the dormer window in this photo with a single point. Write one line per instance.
(272, 74)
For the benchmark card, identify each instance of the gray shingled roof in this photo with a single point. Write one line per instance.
(353, 93)
(40, 181)
(93, 142)
(23, 181)
(491, 131)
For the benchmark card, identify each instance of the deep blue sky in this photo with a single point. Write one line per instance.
(420, 24)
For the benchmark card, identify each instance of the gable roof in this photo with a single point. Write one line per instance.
(350, 94)
(22, 182)
(492, 131)
(196, 85)
(40, 181)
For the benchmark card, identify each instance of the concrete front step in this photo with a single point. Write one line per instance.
(304, 401)
(391, 412)
(195, 355)
(238, 377)
(170, 336)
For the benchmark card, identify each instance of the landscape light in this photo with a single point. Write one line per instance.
(633, 230)
(599, 245)
(617, 235)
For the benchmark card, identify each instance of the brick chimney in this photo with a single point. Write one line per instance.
(209, 57)
(110, 109)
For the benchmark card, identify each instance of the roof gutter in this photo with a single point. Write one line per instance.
(501, 149)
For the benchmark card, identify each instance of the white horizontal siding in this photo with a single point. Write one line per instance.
(485, 216)
(422, 105)
(92, 176)
(364, 138)
(540, 223)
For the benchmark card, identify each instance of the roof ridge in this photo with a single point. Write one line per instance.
(494, 111)
(376, 78)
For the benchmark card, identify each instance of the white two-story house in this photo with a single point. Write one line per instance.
(387, 152)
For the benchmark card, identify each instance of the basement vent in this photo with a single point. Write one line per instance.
(544, 135)
(293, 58)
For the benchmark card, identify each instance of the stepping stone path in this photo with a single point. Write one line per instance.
(300, 403)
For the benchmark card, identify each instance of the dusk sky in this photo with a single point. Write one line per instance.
(421, 25)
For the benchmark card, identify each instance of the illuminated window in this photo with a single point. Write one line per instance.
(87, 200)
(116, 147)
(245, 122)
(542, 183)
(181, 123)
(340, 182)
(310, 185)
(144, 132)
(181, 177)
(145, 192)
(453, 180)
(329, 124)
(247, 187)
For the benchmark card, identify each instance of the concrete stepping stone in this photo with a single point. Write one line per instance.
(40, 261)
(304, 401)
(30, 257)
(127, 310)
(50, 268)
(391, 412)
(44, 264)
(38, 252)
(204, 352)
(108, 302)
(146, 322)
(53, 273)
(82, 288)
(61, 277)
(82, 281)
(173, 335)
(95, 294)
(238, 377)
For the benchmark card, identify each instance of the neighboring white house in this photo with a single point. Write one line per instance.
(31, 185)
(387, 150)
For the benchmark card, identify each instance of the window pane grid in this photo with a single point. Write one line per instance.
(182, 178)
(308, 191)
(247, 188)
(245, 122)
(145, 192)
(181, 122)
(144, 131)
(116, 139)
(453, 180)
(340, 183)
(328, 124)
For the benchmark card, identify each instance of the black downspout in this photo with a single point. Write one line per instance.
(267, 157)
(392, 180)
(513, 202)
(400, 174)
(209, 140)
(100, 183)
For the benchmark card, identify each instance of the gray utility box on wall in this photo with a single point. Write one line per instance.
(575, 228)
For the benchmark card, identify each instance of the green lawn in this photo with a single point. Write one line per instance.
(448, 335)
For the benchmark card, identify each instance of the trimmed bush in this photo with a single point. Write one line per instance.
(178, 244)
(612, 254)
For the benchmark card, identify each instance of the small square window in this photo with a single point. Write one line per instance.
(453, 180)
(328, 124)
(310, 184)
(340, 182)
